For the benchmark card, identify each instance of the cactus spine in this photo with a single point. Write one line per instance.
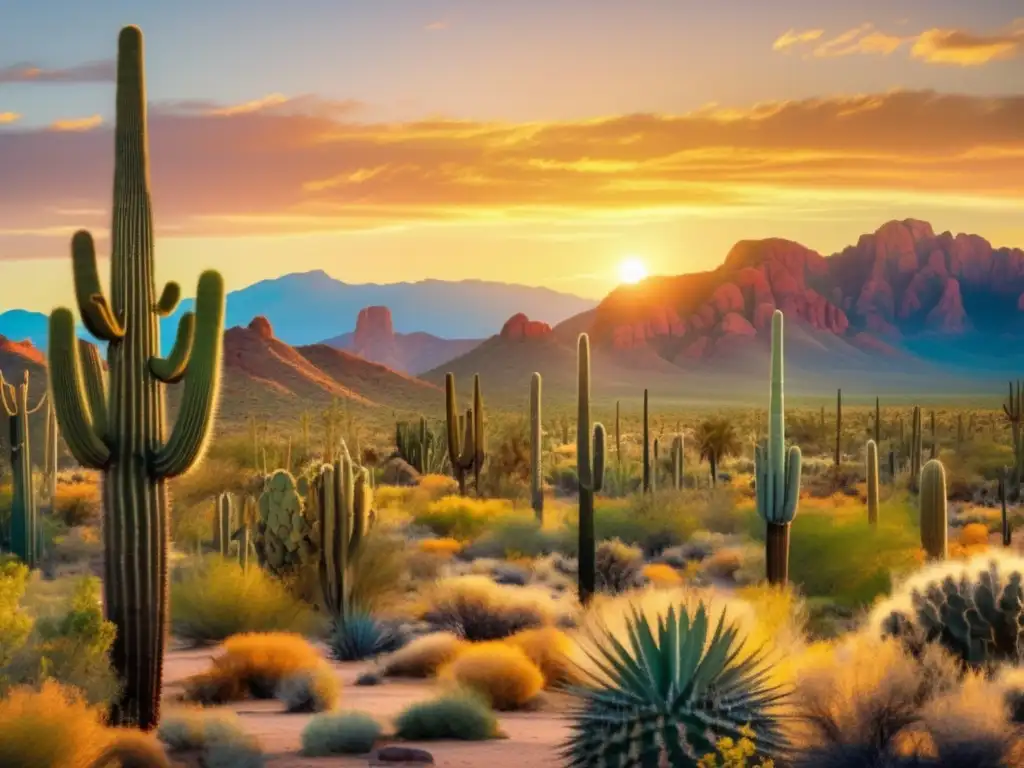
(222, 525)
(872, 473)
(125, 435)
(777, 471)
(677, 462)
(25, 540)
(467, 455)
(536, 459)
(932, 506)
(343, 505)
(647, 447)
(589, 473)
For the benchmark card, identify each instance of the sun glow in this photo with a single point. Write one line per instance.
(632, 270)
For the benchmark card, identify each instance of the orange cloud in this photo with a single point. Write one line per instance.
(794, 37)
(89, 72)
(862, 39)
(77, 124)
(436, 26)
(953, 46)
(7, 118)
(311, 166)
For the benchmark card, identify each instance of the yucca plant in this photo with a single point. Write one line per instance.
(358, 636)
(671, 694)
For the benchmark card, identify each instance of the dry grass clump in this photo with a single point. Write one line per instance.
(501, 673)
(310, 690)
(476, 608)
(214, 739)
(424, 656)
(662, 575)
(446, 548)
(461, 517)
(548, 648)
(340, 733)
(78, 504)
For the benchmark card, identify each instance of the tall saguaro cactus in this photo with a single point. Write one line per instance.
(343, 507)
(839, 428)
(647, 447)
(933, 510)
(1013, 408)
(589, 473)
(536, 458)
(915, 449)
(465, 452)
(24, 505)
(50, 451)
(123, 433)
(878, 423)
(872, 474)
(222, 514)
(677, 462)
(777, 471)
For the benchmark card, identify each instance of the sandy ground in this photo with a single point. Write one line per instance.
(533, 737)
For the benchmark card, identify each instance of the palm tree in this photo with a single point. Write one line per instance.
(717, 439)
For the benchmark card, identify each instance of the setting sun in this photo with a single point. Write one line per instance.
(632, 270)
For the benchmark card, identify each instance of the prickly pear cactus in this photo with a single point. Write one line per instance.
(286, 533)
(975, 609)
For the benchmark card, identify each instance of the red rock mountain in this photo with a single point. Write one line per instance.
(374, 339)
(901, 284)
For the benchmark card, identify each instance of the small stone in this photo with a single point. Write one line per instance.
(395, 754)
(369, 678)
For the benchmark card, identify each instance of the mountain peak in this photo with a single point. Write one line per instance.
(519, 327)
(262, 327)
(24, 349)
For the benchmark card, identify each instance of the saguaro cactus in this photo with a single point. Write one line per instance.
(878, 422)
(915, 449)
(1005, 527)
(647, 446)
(536, 459)
(24, 505)
(467, 455)
(589, 473)
(677, 462)
(933, 448)
(125, 435)
(932, 506)
(618, 436)
(839, 428)
(872, 473)
(777, 471)
(343, 508)
(222, 524)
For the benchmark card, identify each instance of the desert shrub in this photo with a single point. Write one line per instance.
(359, 636)
(972, 608)
(619, 567)
(549, 649)
(15, 622)
(662, 575)
(458, 715)
(310, 690)
(78, 504)
(252, 664)
(515, 537)
(215, 599)
(500, 672)
(461, 517)
(340, 733)
(973, 535)
(442, 547)
(377, 571)
(424, 656)
(476, 608)
(79, 547)
(217, 739)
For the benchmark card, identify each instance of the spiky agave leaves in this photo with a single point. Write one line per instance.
(671, 694)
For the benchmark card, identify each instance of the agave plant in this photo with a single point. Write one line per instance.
(671, 695)
(360, 636)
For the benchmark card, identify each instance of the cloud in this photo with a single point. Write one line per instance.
(77, 124)
(307, 165)
(436, 26)
(952, 46)
(862, 39)
(90, 72)
(6, 118)
(794, 37)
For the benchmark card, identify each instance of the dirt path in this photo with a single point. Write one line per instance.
(533, 737)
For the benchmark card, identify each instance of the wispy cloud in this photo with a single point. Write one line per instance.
(862, 39)
(436, 26)
(308, 166)
(6, 118)
(795, 37)
(77, 124)
(104, 71)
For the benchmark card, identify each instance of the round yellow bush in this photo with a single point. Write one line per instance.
(443, 547)
(502, 673)
(662, 575)
(974, 535)
(424, 655)
(549, 649)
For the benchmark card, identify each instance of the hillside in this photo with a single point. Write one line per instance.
(375, 339)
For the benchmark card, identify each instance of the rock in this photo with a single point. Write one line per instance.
(397, 471)
(734, 323)
(370, 678)
(519, 327)
(262, 327)
(397, 754)
(373, 325)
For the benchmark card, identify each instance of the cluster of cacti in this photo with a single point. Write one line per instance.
(286, 535)
(417, 445)
(589, 472)
(24, 533)
(872, 485)
(677, 462)
(126, 436)
(974, 609)
(932, 507)
(343, 505)
(536, 459)
(777, 471)
(655, 450)
(466, 442)
(646, 447)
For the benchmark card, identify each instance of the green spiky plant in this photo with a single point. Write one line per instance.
(222, 514)
(418, 445)
(646, 447)
(536, 450)
(677, 462)
(777, 471)
(466, 451)
(932, 506)
(125, 435)
(668, 695)
(285, 537)
(872, 478)
(589, 473)
(24, 539)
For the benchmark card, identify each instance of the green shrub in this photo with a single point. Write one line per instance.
(215, 598)
(342, 733)
(458, 715)
(15, 622)
(521, 538)
(461, 517)
(475, 608)
(218, 739)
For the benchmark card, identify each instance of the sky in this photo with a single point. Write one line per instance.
(542, 142)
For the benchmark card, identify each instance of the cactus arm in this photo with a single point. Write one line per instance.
(95, 386)
(794, 460)
(171, 369)
(583, 437)
(9, 406)
(362, 501)
(40, 404)
(452, 418)
(96, 312)
(202, 383)
(67, 390)
(169, 299)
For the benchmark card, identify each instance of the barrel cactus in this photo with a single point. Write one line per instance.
(667, 691)
(286, 535)
(933, 510)
(975, 609)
